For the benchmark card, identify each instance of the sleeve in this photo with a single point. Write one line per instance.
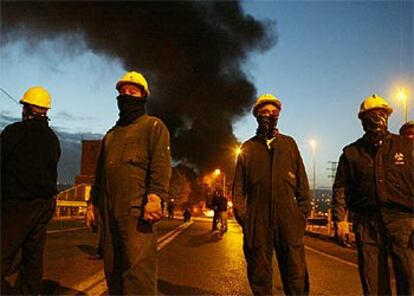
(239, 190)
(340, 190)
(97, 187)
(5, 145)
(56, 160)
(4, 148)
(302, 192)
(160, 160)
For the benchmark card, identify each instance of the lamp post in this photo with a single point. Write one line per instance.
(218, 172)
(313, 145)
(403, 97)
(237, 152)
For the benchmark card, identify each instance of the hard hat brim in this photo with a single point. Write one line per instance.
(123, 82)
(278, 105)
(388, 109)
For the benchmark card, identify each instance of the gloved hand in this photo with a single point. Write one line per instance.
(91, 217)
(152, 209)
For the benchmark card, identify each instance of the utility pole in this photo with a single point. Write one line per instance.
(332, 170)
(332, 174)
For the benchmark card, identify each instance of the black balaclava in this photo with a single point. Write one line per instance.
(29, 114)
(130, 108)
(375, 125)
(267, 126)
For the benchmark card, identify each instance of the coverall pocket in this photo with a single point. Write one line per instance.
(144, 226)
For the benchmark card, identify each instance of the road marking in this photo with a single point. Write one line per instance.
(332, 257)
(96, 284)
(170, 236)
(66, 230)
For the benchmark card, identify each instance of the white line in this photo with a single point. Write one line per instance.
(96, 284)
(332, 257)
(66, 230)
(173, 235)
(165, 236)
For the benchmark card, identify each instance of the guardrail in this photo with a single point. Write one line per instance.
(73, 201)
(324, 226)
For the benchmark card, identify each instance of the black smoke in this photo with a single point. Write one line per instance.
(192, 53)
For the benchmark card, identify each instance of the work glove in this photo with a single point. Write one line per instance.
(152, 209)
(91, 217)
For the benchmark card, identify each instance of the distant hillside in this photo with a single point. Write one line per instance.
(70, 143)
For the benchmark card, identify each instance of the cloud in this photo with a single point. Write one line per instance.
(62, 115)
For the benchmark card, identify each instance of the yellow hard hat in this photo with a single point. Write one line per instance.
(134, 78)
(374, 102)
(266, 98)
(37, 96)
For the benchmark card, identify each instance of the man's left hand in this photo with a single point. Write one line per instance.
(152, 209)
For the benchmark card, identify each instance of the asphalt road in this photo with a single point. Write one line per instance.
(191, 262)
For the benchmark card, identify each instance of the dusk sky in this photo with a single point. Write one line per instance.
(328, 57)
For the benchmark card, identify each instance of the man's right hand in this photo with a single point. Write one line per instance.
(91, 217)
(152, 209)
(343, 230)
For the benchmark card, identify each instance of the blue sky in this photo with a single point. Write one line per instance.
(329, 56)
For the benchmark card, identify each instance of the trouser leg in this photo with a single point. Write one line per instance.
(401, 236)
(290, 252)
(259, 267)
(31, 272)
(100, 248)
(292, 267)
(12, 237)
(372, 257)
(138, 240)
(24, 227)
(223, 217)
(112, 256)
(214, 224)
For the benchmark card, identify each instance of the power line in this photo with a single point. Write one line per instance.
(9, 96)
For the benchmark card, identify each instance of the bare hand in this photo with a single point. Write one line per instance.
(152, 209)
(91, 217)
(343, 230)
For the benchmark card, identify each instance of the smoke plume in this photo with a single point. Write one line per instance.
(191, 52)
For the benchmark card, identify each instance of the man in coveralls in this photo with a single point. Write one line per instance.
(375, 181)
(30, 152)
(271, 203)
(132, 178)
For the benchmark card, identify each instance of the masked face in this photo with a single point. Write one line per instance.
(375, 121)
(267, 117)
(130, 108)
(34, 112)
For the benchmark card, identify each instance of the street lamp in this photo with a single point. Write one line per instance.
(218, 172)
(403, 97)
(313, 145)
(237, 152)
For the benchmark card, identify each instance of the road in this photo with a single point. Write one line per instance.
(191, 262)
